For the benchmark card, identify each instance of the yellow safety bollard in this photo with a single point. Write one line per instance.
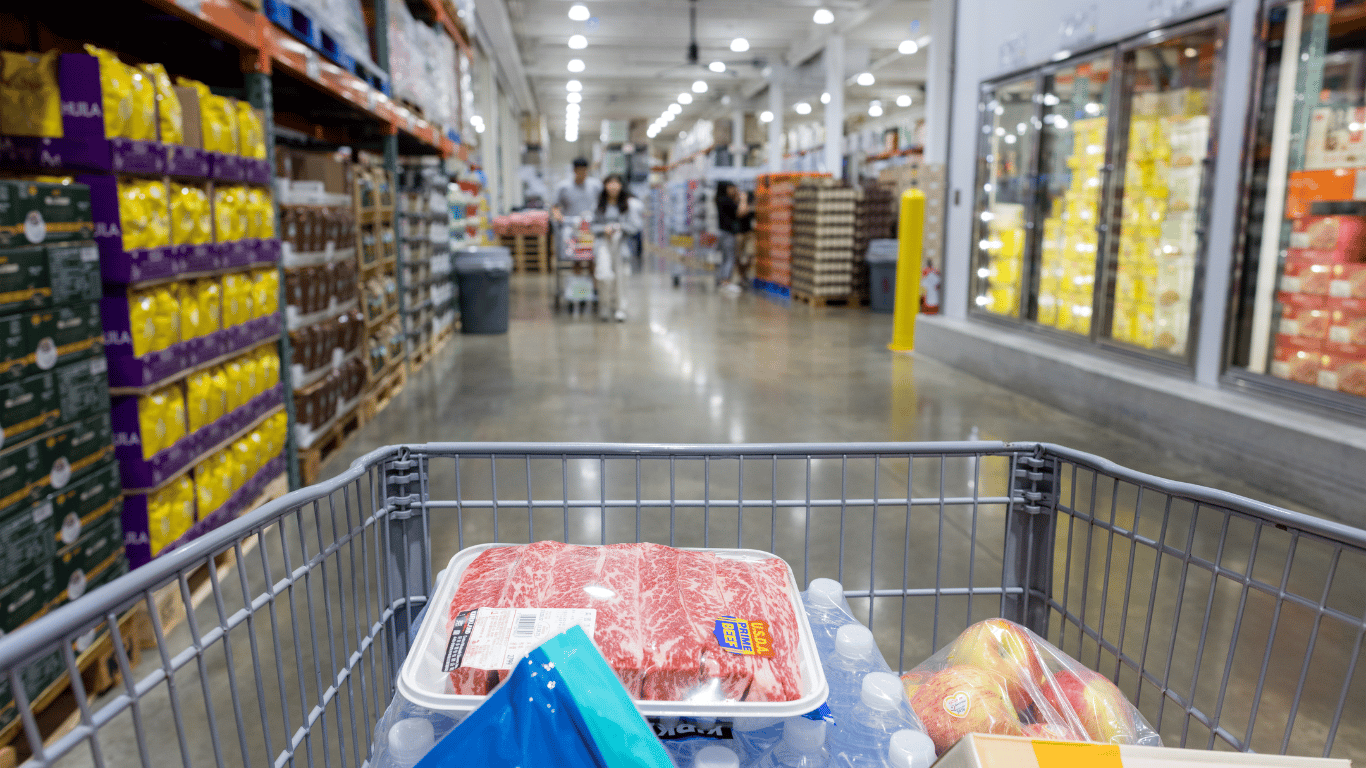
(910, 239)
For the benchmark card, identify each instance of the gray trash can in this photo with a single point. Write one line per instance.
(481, 274)
(881, 260)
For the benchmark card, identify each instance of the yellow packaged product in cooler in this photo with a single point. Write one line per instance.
(209, 294)
(265, 292)
(170, 118)
(251, 376)
(203, 400)
(30, 99)
(236, 385)
(116, 92)
(251, 136)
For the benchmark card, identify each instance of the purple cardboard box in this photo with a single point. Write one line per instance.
(78, 77)
(267, 251)
(206, 257)
(129, 370)
(116, 264)
(256, 171)
(226, 167)
(188, 162)
(136, 534)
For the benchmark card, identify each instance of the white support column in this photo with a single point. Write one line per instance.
(489, 141)
(834, 111)
(939, 80)
(775, 128)
(512, 157)
(737, 134)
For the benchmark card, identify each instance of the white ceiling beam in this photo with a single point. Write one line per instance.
(495, 24)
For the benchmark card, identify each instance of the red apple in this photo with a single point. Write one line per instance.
(1005, 648)
(1051, 732)
(1099, 706)
(960, 700)
(913, 680)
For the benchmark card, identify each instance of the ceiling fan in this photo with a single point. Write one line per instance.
(694, 52)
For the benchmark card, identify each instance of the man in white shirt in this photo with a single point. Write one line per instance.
(579, 196)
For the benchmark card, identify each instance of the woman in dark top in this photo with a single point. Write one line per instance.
(731, 206)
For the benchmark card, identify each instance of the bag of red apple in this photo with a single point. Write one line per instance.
(999, 677)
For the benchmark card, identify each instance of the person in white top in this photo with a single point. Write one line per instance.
(578, 196)
(616, 218)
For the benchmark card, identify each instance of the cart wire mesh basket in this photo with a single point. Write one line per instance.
(277, 639)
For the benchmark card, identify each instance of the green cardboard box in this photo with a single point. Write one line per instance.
(50, 337)
(22, 466)
(37, 212)
(87, 502)
(44, 401)
(28, 541)
(40, 276)
(85, 564)
(72, 451)
(29, 596)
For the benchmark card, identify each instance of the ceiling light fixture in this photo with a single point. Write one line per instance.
(675, 109)
(866, 79)
(699, 86)
(579, 12)
(739, 45)
(717, 66)
(875, 109)
(765, 117)
(802, 108)
(903, 100)
(685, 98)
(907, 47)
(576, 65)
(825, 98)
(823, 16)
(573, 86)
(574, 98)
(578, 42)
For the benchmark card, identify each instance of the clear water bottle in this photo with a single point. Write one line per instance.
(410, 739)
(863, 737)
(827, 611)
(910, 749)
(757, 735)
(803, 746)
(715, 757)
(853, 657)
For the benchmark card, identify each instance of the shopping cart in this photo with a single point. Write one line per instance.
(1230, 623)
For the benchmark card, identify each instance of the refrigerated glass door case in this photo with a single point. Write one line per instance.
(1072, 169)
(1005, 161)
(1154, 254)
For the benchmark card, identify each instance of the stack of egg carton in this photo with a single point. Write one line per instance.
(823, 238)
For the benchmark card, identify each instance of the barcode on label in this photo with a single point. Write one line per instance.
(526, 625)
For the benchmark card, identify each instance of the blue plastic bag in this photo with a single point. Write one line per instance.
(562, 707)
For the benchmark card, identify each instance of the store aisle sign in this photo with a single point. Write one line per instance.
(1308, 187)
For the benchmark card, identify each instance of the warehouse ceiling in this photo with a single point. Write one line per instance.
(635, 63)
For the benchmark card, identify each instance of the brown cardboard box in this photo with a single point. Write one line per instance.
(335, 174)
(191, 117)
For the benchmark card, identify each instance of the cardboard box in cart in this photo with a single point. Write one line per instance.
(978, 750)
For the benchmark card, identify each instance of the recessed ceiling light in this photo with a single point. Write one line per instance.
(739, 45)
(578, 12)
(699, 86)
(574, 98)
(578, 42)
(576, 65)
(875, 109)
(866, 78)
(825, 98)
(802, 108)
(675, 109)
(685, 98)
(903, 100)
(717, 66)
(1191, 53)
(907, 47)
(574, 86)
(823, 16)
(765, 117)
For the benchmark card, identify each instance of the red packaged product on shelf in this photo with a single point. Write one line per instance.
(1297, 359)
(659, 616)
(1304, 316)
(1306, 276)
(1333, 239)
(1347, 321)
(1344, 369)
(1348, 281)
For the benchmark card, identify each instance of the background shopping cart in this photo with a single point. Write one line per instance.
(1232, 624)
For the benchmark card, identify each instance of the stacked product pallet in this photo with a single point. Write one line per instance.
(822, 241)
(773, 229)
(322, 312)
(424, 252)
(60, 532)
(377, 239)
(875, 219)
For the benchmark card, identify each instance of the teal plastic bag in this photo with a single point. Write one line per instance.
(562, 707)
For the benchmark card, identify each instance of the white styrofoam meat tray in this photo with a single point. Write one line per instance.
(422, 682)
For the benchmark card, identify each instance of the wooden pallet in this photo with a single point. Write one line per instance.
(821, 301)
(420, 357)
(530, 253)
(312, 458)
(379, 396)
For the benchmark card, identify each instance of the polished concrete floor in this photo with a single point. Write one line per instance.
(1224, 626)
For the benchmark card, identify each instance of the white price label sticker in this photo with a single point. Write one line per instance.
(311, 66)
(495, 638)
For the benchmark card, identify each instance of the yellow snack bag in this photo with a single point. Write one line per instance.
(116, 90)
(218, 405)
(191, 220)
(182, 514)
(220, 123)
(166, 316)
(210, 304)
(191, 320)
(266, 292)
(268, 366)
(242, 213)
(251, 376)
(200, 395)
(225, 466)
(30, 99)
(255, 213)
(159, 521)
(251, 135)
(158, 232)
(133, 214)
(267, 203)
(225, 214)
(175, 414)
(170, 120)
(236, 386)
(141, 310)
(152, 423)
(237, 298)
(244, 463)
(142, 121)
(207, 486)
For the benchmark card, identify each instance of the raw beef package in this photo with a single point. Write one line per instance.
(675, 625)
(998, 677)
